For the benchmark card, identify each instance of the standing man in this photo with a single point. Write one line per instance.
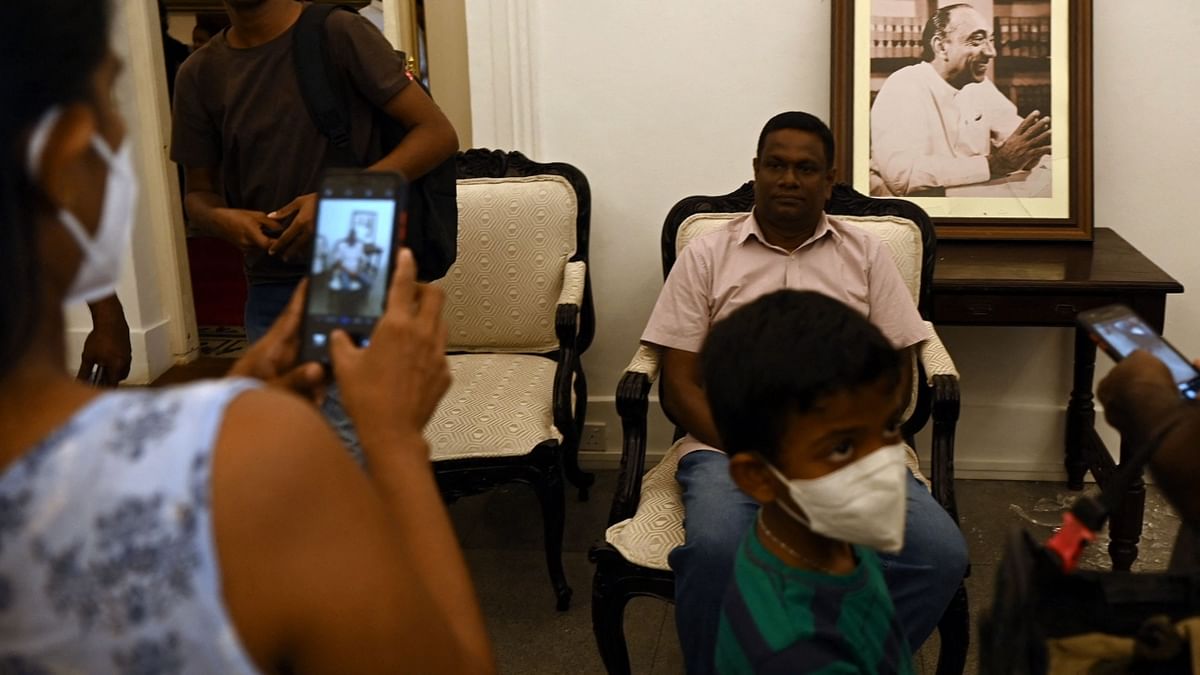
(942, 123)
(786, 242)
(253, 156)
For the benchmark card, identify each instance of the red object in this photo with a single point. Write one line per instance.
(218, 282)
(1070, 541)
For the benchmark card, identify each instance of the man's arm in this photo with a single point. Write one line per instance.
(683, 396)
(107, 346)
(430, 138)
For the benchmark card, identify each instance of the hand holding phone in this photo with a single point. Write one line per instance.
(359, 226)
(1120, 332)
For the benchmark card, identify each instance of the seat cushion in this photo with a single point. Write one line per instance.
(499, 405)
(656, 529)
(515, 236)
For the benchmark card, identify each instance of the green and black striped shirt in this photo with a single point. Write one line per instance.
(780, 619)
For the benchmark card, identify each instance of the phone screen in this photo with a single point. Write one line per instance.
(1126, 333)
(354, 244)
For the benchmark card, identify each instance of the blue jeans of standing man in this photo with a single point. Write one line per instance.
(922, 578)
(264, 304)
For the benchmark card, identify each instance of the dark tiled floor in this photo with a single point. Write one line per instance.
(501, 533)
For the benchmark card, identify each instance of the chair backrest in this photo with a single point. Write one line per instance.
(904, 227)
(515, 236)
(478, 163)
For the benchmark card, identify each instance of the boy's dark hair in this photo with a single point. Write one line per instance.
(780, 355)
(800, 121)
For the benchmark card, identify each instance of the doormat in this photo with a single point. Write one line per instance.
(226, 342)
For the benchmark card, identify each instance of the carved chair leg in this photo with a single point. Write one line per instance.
(955, 632)
(578, 477)
(608, 620)
(550, 493)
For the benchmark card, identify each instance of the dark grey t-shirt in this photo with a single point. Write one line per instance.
(240, 111)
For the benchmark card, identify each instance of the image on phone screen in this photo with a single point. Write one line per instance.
(348, 282)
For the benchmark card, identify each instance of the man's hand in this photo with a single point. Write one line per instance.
(1138, 394)
(294, 243)
(392, 387)
(273, 358)
(1023, 148)
(243, 228)
(107, 346)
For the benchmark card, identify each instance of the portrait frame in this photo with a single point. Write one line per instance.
(1058, 216)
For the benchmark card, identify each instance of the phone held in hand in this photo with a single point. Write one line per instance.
(1120, 332)
(359, 226)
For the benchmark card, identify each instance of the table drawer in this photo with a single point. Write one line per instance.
(1014, 309)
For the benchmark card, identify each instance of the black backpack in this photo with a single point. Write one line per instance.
(432, 200)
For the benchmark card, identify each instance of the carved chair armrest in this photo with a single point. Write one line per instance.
(633, 404)
(943, 380)
(566, 328)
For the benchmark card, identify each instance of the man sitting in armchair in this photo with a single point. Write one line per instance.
(787, 241)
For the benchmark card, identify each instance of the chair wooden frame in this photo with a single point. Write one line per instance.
(543, 468)
(617, 581)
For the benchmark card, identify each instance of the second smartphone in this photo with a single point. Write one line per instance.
(1119, 331)
(359, 227)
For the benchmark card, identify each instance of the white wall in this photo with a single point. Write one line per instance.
(154, 288)
(656, 101)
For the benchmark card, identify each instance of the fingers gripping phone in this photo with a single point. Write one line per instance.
(1120, 332)
(359, 226)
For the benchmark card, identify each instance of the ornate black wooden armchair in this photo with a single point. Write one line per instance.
(646, 520)
(519, 312)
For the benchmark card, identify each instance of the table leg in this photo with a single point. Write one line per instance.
(1125, 522)
(1081, 413)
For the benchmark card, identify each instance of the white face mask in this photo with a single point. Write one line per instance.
(861, 503)
(103, 254)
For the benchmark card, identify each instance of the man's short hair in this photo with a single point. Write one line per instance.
(800, 121)
(779, 356)
(936, 27)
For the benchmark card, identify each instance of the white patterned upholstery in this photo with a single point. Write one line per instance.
(934, 356)
(646, 361)
(657, 527)
(499, 405)
(515, 237)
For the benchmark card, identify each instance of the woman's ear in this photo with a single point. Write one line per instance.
(62, 166)
(751, 474)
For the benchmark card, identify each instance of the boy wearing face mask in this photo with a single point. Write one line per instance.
(807, 396)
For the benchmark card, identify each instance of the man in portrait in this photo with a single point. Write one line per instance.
(942, 123)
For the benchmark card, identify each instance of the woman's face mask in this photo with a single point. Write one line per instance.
(861, 503)
(103, 253)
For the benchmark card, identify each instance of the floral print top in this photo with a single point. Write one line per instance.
(107, 557)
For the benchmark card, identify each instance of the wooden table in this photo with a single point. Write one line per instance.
(991, 283)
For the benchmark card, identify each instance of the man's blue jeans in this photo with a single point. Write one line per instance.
(922, 578)
(264, 304)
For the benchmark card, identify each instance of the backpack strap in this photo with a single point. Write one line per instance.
(318, 78)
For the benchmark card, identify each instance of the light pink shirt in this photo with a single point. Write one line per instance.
(725, 269)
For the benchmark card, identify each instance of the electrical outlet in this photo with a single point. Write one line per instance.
(593, 437)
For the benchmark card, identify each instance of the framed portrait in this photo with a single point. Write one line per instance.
(980, 111)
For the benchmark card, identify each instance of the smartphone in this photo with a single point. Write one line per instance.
(1120, 332)
(359, 227)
